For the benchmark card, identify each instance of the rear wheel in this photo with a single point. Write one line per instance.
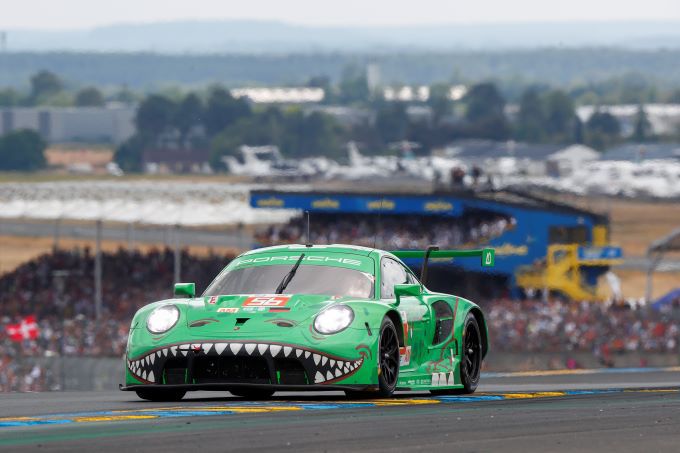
(471, 362)
(388, 371)
(161, 394)
(252, 394)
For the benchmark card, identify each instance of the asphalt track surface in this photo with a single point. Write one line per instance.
(622, 410)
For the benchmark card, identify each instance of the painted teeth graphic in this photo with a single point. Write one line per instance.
(324, 369)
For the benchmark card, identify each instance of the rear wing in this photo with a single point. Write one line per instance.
(487, 256)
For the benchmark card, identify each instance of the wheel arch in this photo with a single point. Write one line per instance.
(479, 317)
(396, 319)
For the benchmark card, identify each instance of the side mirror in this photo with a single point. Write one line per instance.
(185, 290)
(407, 290)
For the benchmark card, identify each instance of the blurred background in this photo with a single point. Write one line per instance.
(145, 143)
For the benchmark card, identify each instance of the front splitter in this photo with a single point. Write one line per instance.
(277, 387)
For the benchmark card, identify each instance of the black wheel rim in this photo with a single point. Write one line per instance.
(389, 356)
(473, 353)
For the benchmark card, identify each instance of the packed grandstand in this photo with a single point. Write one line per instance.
(390, 231)
(54, 293)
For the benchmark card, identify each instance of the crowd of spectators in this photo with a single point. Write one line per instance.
(389, 231)
(58, 290)
(558, 325)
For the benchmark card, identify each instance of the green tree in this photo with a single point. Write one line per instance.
(155, 116)
(485, 113)
(128, 156)
(604, 122)
(190, 114)
(353, 85)
(532, 117)
(643, 128)
(89, 97)
(439, 101)
(392, 122)
(9, 98)
(602, 130)
(22, 150)
(45, 84)
(125, 96)
(223, 110)
(560, 117)
(483, 102)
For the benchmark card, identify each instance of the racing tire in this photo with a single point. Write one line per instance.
(161, 395)
(388, 372)
(252, 394)
(471, 359)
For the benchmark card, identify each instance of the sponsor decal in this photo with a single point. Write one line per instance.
(404, 355)
(326, 203)
(438, 206)
(381, 205)
(404, 323)
(278, 309)
(599, 253)
(509, 249)
(253, 309)
(266, 301)
(212, 300)
(227, 310)
(271, 202)
(293, 258)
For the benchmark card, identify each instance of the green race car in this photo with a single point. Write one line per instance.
(299, 317)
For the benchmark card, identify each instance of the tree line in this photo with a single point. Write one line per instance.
(48, 89)
(217, 121)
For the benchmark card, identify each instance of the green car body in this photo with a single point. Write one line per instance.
(270, 341)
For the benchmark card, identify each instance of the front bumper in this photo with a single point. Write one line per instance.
(216, 364)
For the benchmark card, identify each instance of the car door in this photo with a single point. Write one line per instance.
(414, 313)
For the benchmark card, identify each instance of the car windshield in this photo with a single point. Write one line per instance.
(309, 279)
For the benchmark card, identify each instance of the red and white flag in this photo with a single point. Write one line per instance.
(27, 329)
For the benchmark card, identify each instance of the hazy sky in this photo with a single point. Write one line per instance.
(53, 14)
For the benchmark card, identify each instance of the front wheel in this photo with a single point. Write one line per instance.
(161, 395)
(388, 362)
(471, 363)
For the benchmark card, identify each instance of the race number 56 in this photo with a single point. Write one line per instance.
(266, 301)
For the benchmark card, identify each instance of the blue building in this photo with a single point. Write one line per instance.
(543, 244)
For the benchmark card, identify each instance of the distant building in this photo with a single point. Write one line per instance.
(420, 93)
(281, 95)
(530, 159)
(663, 118)
(346, 116)
(373, 79)
(565, 161)
(113, 124)
(637, 152)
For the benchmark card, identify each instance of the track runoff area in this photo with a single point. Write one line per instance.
(588, 410)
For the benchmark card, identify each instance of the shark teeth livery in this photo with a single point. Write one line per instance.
(322, 368)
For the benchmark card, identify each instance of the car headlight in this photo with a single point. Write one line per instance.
(162, 319)
(333, 319)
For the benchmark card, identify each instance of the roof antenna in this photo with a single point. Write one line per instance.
(375, 236)
(309, 242)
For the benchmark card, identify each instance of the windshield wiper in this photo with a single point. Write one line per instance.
(289, 276)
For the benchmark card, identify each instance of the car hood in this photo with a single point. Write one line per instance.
(243, 313)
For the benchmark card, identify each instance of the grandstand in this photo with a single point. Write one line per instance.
(540, 244)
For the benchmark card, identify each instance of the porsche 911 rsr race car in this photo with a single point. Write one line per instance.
(299, 317)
